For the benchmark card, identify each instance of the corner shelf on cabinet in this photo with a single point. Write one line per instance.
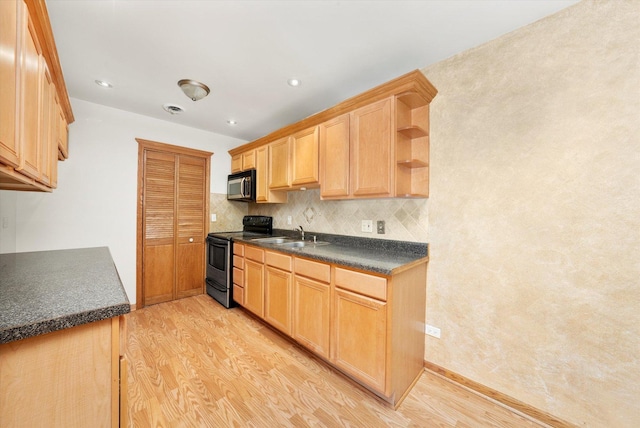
(412, 146)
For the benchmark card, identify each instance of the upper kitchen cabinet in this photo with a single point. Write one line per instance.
(374, 145)
(263, 193)
(34, 105)
(304, 158)
(243, 161)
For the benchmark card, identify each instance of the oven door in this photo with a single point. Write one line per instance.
(219, 261)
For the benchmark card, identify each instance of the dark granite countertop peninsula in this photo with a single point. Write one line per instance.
(46, 291)
(374, 255)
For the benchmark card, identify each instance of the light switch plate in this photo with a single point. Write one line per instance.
(367, 226)
(214, 217)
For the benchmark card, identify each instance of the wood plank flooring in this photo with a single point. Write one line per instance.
(193, 363)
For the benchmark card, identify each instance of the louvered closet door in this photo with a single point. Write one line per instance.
(159, 225)
(190, 252)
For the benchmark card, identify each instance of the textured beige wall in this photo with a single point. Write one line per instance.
(534, 214)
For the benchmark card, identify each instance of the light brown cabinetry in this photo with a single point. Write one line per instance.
(360, 327)
(311, 305)
(243, 161)
(32, 99)
(279, 177)
(374, 145)
(304, 158)
(263, 193)
(254, 280)
(68, 378)
(371, 143)
(173, 187)
(370, 326)
(412, 145)
(238, 273)
(278, 289)
(334, 158)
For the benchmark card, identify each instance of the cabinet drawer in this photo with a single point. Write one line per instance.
(255, 254)
(238, 262)
(315, 270)
(362, 283)
(238, 277)
(238, 249)
(279, 260)
(238, 294)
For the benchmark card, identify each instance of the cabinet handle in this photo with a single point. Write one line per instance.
(190, 239)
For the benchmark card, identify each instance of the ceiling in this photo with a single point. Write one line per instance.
(246, 50)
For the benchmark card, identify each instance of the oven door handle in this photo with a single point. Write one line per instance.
(217, 286)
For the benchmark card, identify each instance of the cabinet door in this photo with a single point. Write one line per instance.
(236, 163)
(304, 149)
(360, 337)
(262, 183)
(9, 93)
(371, 155)
(334, 157)
(158, 227)
(248, 160)
(254, 287)
(279, 164)
(311, 314)
(191, 225)
(30, 73)
(46, 124)
(277, 305)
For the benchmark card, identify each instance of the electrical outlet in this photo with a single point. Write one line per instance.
(214, 217)
(289, 220)
(380, 227)
(367, 226)
(432, 331)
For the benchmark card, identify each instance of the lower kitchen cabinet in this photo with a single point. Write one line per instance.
(278, 286)
(360, 338)
(312, 299)
(254, 280)
(69, 378)
(369, 326)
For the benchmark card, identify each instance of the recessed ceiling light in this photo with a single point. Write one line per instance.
(172, 108)
(232, 122)
(294, 82)
(104, 84)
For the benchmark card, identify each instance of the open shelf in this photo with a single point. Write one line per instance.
(413, 132)
(412, 163)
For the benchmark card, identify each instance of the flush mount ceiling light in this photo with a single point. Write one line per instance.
(104, 84)
(294, 82)
(194, 90)
(172, 109)
(232, 122)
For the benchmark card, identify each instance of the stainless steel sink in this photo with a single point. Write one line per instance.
(300, 244)
(271, 240)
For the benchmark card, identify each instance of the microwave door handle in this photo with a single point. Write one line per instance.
(243, 186)
(247, 193)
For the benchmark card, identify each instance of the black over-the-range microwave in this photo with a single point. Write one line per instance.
(241, 186)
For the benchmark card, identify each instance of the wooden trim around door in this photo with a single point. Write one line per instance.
(169, 148)
(498, 396)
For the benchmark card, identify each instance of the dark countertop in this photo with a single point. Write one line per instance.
(374, 255)
(45, 291)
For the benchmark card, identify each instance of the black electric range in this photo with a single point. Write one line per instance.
(220, 256)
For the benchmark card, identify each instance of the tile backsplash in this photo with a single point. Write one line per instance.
(228, 214)
(405, 219)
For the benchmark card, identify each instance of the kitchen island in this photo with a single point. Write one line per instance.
(62, 339)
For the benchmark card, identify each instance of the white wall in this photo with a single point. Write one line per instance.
(95, 202)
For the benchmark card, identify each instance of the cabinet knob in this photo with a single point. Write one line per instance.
(190, 239)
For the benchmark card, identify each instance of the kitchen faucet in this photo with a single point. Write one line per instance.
(301, 230)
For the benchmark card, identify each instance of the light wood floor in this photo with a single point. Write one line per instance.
(193, 363)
